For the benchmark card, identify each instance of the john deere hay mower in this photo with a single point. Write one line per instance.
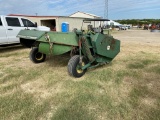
(89, 48)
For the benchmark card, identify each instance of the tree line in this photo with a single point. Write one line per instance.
(139, 21)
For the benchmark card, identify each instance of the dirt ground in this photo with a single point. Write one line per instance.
(139, 36)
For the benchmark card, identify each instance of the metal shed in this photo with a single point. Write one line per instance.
(54, 22)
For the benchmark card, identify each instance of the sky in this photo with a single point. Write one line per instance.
(117, 9)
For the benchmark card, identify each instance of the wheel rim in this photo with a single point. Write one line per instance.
(39, 56)
(78, 68)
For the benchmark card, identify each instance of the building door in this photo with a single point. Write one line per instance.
(49, 23)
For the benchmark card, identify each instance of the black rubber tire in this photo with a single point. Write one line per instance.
(72, 66)
(36, 56)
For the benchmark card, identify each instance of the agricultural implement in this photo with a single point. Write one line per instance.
(155, 28)
(88, 49)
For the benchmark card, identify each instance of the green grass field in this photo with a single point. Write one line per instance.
(126, 89)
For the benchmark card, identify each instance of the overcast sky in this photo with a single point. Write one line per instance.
(117, 9)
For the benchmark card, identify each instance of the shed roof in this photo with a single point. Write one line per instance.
(36, 16)
(30, 15)
(86, 14)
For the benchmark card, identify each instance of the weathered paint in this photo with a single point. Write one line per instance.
(56, 49)
(69, 38)
(30, 34)
(106, 45)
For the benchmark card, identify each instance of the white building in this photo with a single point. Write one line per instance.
(84, 15)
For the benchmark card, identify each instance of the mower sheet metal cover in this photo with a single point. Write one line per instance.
(62, 38)
(106, 45)
(30, 34)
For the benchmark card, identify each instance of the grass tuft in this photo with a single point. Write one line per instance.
(136, 65)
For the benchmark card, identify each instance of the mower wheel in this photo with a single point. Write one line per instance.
(36, 56)
(74, 66)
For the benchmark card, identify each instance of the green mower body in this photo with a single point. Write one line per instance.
(89, 48)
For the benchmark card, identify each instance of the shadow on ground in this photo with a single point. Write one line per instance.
(4, 49)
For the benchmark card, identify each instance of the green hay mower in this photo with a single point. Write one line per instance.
(88, 49)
